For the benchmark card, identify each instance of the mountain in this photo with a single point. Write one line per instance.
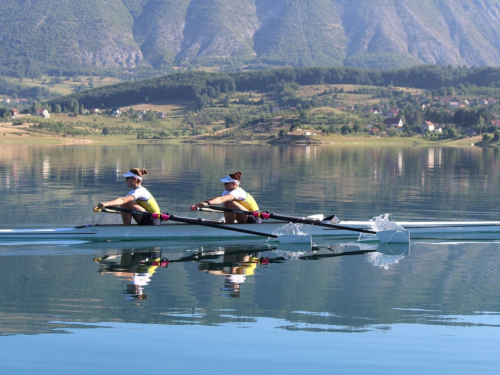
(56, 35)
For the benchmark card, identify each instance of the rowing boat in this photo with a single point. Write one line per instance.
(449, 230)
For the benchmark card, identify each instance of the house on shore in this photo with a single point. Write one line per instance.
(427, 126)
(394, 122)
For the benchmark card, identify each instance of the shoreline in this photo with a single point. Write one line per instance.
(20, 135)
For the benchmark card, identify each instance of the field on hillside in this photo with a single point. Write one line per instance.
(63, 85)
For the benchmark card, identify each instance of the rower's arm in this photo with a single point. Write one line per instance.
(116, 202)
(214, 201)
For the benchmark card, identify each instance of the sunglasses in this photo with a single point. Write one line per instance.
(129, 178)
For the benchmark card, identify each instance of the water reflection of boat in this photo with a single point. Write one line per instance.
(380, 255)
(137, 267)
(235, 263)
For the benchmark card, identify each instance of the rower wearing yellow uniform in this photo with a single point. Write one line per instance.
(235, 198)
(138, 199)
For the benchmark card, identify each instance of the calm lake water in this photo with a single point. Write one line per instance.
(214, 307)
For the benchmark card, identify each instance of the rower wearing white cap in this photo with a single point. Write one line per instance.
(235, 198)
(138, 199)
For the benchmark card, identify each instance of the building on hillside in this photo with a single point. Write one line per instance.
(394, 122)
(495, 124)
(427, 126)
(391, 113)
(160, 115)
(116, 112)
(42, 112)
(492, 101)
(94, 110)
(469, 132)
(14, 112)
(305, 132)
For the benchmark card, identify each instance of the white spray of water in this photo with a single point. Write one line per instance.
(380, 223)
(383, 260)
(293, 229)
(289, 255)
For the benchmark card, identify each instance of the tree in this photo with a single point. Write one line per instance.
(393, 132)
(227, 101)
(346, 129)
(201, 102)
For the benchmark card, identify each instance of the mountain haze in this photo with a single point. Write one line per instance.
(73, 34)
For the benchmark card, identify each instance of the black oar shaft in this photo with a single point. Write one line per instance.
(291, 219)
(221, 226)
(188, 220)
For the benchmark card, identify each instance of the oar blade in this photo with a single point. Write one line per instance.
(393, 236)
(295, 239)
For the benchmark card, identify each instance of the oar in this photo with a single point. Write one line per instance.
(166, 217)
(293, 219)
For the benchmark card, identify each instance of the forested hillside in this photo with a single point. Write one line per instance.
(95, 36)
(201, 86)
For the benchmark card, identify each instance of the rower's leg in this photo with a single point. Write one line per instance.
(127, 218)
(135, 207)
(229, 217)
(240, 218)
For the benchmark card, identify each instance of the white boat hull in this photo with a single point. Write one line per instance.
(486, 230)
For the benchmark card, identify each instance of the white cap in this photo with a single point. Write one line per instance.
(229, 179)
(130, 174)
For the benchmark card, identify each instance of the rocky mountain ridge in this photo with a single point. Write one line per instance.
(378, 34)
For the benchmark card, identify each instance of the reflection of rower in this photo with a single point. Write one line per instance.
(235, 267)
(137, 267)
(236, 264)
